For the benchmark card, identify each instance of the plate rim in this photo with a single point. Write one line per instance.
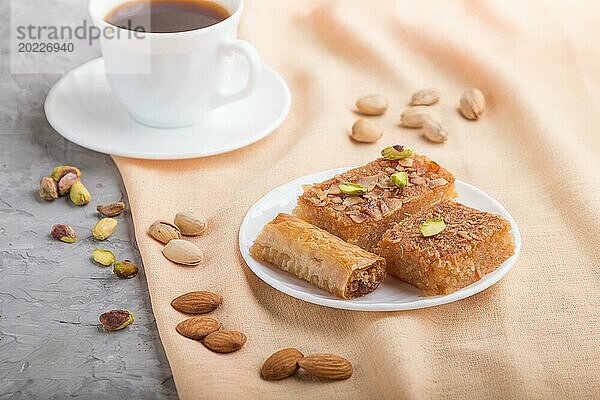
(423, 302)
(56, 124)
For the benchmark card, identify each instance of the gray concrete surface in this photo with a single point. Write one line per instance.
(51, 344)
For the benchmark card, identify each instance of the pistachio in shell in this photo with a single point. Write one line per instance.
(472, 104)
(190, 223)
(164, 232)
(183, 252)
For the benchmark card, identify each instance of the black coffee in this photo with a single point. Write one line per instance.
(163, 16)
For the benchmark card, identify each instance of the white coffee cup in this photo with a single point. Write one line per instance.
(170, 80)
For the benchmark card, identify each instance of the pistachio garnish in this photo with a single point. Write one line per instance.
(111, 209)
(424, 97)
(472, 103)
(164, 232)
(414, 116)
(104, 228)
(125, 269)
(434, 131)
(366, 131)
(399, 179)
(62, 170)
(79, 194)
(66, 182)
(372, 105)
(353, 189)
(48, 189)
(64, 233)
(190, 223)
(396, 152)
(432, 227)
(116, 319)
(103, 257)
(183, 252)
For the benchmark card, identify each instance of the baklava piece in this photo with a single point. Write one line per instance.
(362, 203)
(446, 247)
(324, 260)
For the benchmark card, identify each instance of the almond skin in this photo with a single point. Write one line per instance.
(224, 341)
(281, 364)
(200, 302)
(197, 328)
(328, 366)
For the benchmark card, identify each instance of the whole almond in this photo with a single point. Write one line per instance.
(224, 341)
(183, 252)
(198, 328)
(366, 131)
(372, 105)
(281, 364)
(200, 302)
(163, 231)
(190, 223)
(327, 366)
(424, 97)
(472, 104)
(414, 117)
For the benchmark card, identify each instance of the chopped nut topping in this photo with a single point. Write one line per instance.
(392, 203)
(368, 182)
(352, 200)
(358, 218)
(440, 182)
(417, 180)
(405, 162)
(379, 195)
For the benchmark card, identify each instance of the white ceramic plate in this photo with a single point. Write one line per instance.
(392, 294)
(82, 109)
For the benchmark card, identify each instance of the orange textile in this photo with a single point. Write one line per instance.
(535, 334)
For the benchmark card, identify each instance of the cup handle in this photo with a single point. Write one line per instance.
(245, 49)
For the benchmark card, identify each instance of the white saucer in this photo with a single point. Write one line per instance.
(392, 294)
(82, 109)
